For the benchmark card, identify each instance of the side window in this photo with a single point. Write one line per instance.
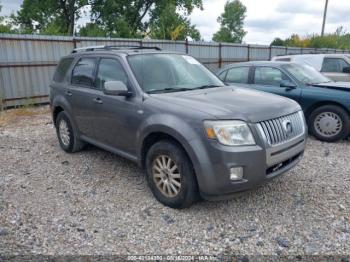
(83, 72)
(334, 65)
(62, 69)
(222, 75)
(110, 70)
(283, 59)
(269, 76)
(238, 75)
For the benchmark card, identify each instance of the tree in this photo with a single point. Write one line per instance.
(49, 16)
(125, 18)
(277, 42)
(169, 24)
(4, 27)
(339, 39)
(231, 23)
(92, 30)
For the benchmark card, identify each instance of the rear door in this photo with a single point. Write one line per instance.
(333, 69)
(269, 79)
(236, 76)
(82, 93)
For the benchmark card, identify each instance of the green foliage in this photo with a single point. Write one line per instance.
(48, 16)
(169, 24)
(92, 30)
(339, 40)
(114, 18)
(4, 26)
(277, 42)
(231, 21)
(125, 18)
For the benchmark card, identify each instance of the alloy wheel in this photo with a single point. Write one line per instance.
(166, 176)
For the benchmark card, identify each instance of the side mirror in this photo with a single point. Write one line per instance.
(346, 70)
(116, 88)
(288, 84)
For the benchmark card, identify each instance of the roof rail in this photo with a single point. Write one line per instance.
(310, 53)
(113, 47)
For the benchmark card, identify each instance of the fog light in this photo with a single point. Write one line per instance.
(236, 173)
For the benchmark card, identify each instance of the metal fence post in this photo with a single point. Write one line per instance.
(220, 55)
(270, 53)
(74, 42)
(248, 52)
(186, 45)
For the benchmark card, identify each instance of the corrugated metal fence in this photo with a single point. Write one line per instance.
(27, 62)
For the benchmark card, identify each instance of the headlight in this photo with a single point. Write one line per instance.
(230, 132)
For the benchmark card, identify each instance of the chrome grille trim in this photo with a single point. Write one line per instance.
(274, 131)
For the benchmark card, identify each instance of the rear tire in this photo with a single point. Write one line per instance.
(170, 175)
(329, 123)
(66, 134)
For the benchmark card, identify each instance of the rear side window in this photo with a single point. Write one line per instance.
(238, 75)
(334, 65)
(283, 59)
(62, 69)
(83, 72)
(110, 70)
(222, 75)
(269, 76)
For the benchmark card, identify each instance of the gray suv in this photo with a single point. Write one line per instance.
(194, 136)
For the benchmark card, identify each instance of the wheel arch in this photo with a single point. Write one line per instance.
(183, 136)
(56, 110)
(316, 105)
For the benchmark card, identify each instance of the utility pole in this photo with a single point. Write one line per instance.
(324, 18)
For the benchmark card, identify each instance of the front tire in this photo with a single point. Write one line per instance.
(170, 175)
(66, 134)
(329, 123)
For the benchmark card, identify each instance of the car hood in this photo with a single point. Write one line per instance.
(232, 103)
(335, 85)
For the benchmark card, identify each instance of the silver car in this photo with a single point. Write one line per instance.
(333, 66)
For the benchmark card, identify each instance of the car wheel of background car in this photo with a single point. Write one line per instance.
(170, 175)
(66, 135)
(329, 123)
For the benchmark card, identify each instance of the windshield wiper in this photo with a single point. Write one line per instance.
(208, 86)
(168, 89)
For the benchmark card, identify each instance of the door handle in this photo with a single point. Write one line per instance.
(69, 93)
(98, 100)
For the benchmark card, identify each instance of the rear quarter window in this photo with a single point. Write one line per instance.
(283, 59)
(238, 75)
(62, 69)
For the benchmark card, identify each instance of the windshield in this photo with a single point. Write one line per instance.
(158, 73)
(306, 74)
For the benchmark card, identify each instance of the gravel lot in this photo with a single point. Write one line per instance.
(94, 202)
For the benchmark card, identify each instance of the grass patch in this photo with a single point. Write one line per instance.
(14, 115)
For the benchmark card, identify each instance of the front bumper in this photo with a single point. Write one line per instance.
(260, 163)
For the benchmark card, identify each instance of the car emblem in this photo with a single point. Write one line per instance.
(287, 126)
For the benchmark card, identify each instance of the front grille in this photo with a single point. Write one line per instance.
(283, 129)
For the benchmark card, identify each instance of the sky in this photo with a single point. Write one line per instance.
(266, 19)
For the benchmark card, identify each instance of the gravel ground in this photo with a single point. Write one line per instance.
(94, 202)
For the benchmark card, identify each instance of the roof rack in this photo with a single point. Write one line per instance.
(114, 47)
(310, 53)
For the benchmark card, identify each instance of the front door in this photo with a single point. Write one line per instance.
(333, 68)
(117, 117)
(269, 79)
